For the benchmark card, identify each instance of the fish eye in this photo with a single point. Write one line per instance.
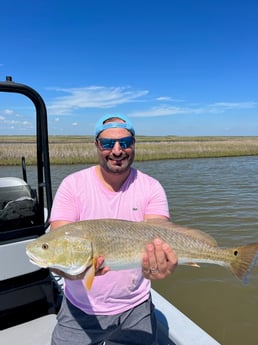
(44, 246)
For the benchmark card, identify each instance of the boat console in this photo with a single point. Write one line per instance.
(26, 291)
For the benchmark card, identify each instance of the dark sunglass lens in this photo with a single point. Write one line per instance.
(126, 142)
(107, 143)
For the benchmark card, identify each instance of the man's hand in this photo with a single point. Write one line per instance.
(100, 269)
(158, 261)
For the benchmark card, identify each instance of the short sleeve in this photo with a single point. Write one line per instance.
(64, 204)
(158, 203)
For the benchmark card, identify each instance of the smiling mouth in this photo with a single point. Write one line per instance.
(117, 160)
(116, 163)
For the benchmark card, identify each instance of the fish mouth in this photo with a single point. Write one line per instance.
(36, 261)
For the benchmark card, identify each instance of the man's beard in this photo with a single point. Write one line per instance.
(117, 165)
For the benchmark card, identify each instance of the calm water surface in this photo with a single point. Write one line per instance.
(219, 196)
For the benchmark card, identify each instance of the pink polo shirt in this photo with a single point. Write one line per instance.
(82, 196)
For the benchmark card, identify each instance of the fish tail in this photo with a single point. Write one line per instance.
(244, 261)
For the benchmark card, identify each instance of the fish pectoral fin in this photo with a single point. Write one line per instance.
(90, 275)
(192, 264)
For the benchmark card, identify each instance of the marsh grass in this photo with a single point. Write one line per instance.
(76, 150)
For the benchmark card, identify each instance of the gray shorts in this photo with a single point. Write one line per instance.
(136, 326)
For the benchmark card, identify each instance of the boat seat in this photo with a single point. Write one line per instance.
(18, 205)
(19, 208)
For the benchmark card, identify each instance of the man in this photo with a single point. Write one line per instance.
(118, 308)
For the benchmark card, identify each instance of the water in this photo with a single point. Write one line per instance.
(219, 196)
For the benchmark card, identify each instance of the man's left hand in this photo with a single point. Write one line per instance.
(158, 261)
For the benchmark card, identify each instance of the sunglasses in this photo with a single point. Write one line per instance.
(108, 144)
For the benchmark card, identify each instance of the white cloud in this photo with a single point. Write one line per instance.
(93, 97)
(8, 112)
(12, 123)
(101, 97)
(168, 99)
(156, 111)
(27, 124)
(234, 105)
(166, 111)
(164, 98)
(218, 107)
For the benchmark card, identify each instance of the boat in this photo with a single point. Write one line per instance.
(30, 297)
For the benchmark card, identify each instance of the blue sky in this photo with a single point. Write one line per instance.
(175, 67)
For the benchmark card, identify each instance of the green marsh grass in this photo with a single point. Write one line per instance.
(80, 150)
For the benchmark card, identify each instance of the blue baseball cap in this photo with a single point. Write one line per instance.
(101, 125)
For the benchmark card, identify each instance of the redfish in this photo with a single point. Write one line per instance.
(75, 247)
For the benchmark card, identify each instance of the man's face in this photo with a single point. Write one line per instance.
(119, 158)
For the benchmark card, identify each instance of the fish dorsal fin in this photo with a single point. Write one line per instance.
(195, 233)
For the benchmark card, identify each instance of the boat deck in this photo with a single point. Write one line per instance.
(174, 328)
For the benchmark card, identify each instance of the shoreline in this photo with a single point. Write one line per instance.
(81, 149)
